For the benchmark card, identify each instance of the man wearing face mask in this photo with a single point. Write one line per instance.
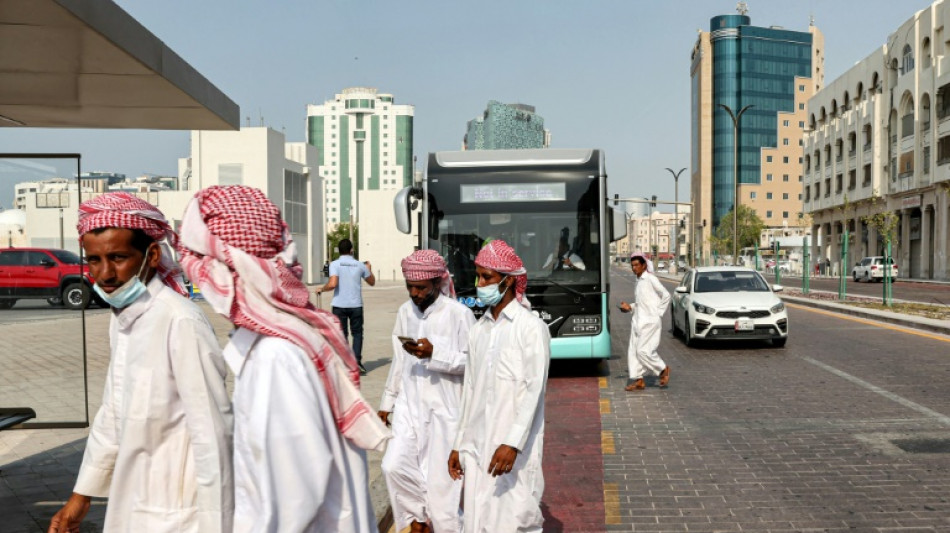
(160, 445)
(500, 438)
(422, 397)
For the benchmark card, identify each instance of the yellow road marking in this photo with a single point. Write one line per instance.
(611, 504)
(607, 442)
(603, 382)
(874, 323)
(604, 406)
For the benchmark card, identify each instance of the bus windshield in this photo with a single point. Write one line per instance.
(558, 248)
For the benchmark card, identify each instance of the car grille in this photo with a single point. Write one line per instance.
(762, 313)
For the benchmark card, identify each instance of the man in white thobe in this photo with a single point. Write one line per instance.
(160, 445)
(422, 396)
(301, 427)
(500, 439)
(651, 302)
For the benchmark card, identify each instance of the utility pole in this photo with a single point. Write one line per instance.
(736, 117)
(676, 217)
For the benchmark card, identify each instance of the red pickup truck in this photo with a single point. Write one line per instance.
(56, 276)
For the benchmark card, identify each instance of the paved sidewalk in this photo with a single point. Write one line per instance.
(38, 467)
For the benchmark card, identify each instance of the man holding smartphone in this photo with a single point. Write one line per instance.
(422, 397)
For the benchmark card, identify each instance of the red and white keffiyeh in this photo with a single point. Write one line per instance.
(500, 257)
(423, 265)
(127, 211)
(235, 246)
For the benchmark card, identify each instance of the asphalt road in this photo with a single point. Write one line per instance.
(32, 310)
(847, 428)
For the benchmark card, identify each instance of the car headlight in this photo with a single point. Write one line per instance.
(700, 308)
(778, 308)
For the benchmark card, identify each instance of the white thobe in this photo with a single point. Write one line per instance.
(160, 445)
(424, 396)
(503, 403)
(652, 299)
(293, 469)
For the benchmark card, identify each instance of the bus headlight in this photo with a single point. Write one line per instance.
(581, 325)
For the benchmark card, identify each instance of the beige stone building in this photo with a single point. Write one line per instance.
(879, 141)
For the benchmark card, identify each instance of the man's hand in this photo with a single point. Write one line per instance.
(67, 519)
(455, 466)
(503, 460)
(384, 416)
(421, 348)
(625, 307)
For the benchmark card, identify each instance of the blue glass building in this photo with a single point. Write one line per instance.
(750, 66)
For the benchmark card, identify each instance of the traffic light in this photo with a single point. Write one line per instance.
(653, 203)
(655, 248)
(616, 199)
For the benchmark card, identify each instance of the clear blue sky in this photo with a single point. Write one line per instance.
(606, 74)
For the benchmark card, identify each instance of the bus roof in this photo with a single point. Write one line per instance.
(515, 158)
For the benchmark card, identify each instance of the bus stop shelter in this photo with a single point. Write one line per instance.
(85, 64)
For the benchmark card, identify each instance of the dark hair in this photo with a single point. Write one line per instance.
(140, 240)
(345, 246)
(639, 259)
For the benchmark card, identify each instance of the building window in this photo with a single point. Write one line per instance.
(784, 196)
(784, 177)
(801, 124)
(768, 214)
(785, 159)
(295, 201)
(785, 141)
(768, 196)
(768, 159)
(799, 196)
(801, 88)
(784, 214)
(908, 64)
(785, 123)
(799, 178)
(768, 177)
(231, 174)
(752, 195)
(801, 107)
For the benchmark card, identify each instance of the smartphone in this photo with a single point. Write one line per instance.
(406, 340)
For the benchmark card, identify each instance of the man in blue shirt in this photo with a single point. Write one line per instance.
(345, 275)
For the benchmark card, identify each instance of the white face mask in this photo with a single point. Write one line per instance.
(131, 290)
(489, 294)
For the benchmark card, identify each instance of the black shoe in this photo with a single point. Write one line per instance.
(362, 369)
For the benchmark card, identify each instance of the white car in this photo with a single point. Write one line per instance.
(872, 269)
(728, 303)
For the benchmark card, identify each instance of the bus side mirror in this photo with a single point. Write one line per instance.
(403, 210)
(618, 224)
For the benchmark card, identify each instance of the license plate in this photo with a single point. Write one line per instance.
(745, 325)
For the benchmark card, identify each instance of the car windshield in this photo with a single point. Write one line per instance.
(66, 257)
(730, 281)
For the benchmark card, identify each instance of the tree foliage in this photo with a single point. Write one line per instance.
(340, 232)
(750, 229)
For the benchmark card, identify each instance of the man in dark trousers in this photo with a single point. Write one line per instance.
(346, 274)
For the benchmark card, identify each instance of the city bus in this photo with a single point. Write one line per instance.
(547, 204)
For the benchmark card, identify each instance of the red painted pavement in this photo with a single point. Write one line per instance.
(573, 464)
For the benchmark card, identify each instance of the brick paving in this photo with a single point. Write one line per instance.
(754, 438)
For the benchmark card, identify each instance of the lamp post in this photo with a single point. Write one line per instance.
(736, 117)
(676, 216)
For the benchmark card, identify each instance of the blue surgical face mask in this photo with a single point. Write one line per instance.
(489, 294)
(129, 291)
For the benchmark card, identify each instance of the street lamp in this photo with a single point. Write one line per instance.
(676, 216)
(736, 117)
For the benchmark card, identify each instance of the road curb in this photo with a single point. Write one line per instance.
(927, 324)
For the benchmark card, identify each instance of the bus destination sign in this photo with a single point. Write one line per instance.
(513, 192)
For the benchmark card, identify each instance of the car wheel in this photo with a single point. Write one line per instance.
(55, 301)
(76, 296)
(779, 342)
(7, 304)
(688, 332)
